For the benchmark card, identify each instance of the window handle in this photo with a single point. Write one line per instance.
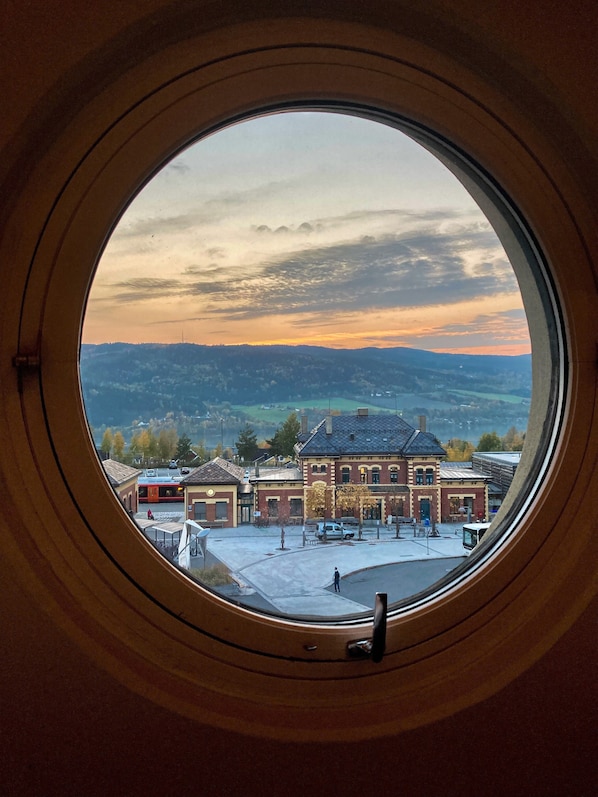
(373, 648)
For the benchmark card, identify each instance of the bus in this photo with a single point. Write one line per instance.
(473, 533)
(154, 491)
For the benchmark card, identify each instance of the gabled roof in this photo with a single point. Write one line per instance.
(369, 434)
(423, 444)
(217, 471)
(117, 472)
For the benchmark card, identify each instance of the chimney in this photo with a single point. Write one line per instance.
(329, 424)
(422, 423)
(362, 412)
(304, 424)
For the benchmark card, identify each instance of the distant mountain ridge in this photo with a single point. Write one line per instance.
(123, 381)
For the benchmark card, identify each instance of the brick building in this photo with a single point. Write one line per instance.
(215, 493)
(400, 465)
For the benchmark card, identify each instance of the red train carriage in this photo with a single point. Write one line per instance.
(154, 491)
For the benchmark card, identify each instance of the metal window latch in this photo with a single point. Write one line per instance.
(373, 648)
(24, 363)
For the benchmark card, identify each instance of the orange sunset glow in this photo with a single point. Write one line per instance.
(307, 228)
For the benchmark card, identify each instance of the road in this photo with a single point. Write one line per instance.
(399, 580)
(296, 580)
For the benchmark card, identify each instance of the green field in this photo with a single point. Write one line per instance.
(278, 413)
(506, 397)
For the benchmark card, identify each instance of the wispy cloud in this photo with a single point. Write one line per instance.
(420, 268)
(507, 328)
(142, 288)
(336, 233)
(411, 270)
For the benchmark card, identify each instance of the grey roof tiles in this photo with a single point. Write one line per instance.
(369, 434)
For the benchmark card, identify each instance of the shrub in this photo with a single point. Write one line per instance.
(215, 576)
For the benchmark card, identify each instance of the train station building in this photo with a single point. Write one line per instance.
(401, 467)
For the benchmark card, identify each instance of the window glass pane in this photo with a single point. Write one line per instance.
(221, 510)
(199, 510)
(314, 291)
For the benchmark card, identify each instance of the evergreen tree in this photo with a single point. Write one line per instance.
(183, 449)
(283, 442)
(246, 444)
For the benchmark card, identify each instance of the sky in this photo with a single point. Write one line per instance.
(307, 228)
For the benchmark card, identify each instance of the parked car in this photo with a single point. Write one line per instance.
(184, 470)
(172, 464)
(333, 531)
(150, 472)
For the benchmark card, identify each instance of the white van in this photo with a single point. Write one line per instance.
(333, 531)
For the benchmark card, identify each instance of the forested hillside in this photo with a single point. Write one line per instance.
(122, 382)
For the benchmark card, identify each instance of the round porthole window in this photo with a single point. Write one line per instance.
(149, 623)
(292, 268)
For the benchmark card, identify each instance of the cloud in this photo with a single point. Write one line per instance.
(142, 288)
(177, 166)
(414, 269)
(428, 265)
(204, 213)
(507, 328)
(388, 217)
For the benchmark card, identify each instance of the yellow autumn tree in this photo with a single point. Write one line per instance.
(355, 498)
(458, 450)
(316, 498)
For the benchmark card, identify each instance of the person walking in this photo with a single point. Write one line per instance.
(337, 580)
